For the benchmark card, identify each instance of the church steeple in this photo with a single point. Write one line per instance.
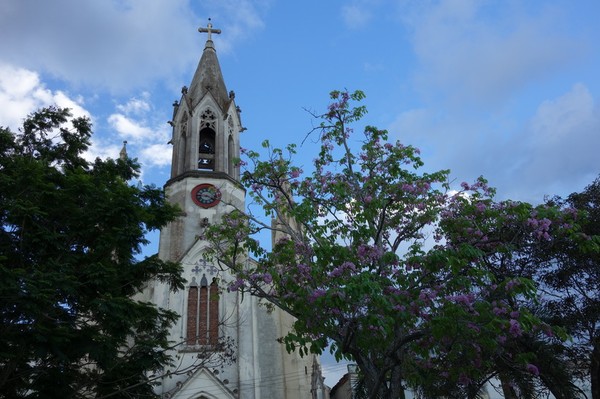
(208, 77)
(206, 122)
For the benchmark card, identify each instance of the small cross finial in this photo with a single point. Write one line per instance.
(209, 29)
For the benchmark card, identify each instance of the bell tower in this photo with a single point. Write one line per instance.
(206, 121)
(224, 346)
(206, 144)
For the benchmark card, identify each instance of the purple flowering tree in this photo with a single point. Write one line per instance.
(516, 243)
(381, 264)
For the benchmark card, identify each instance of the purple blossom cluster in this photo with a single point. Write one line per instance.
(369, 254)
(480, 185)
(541, 227)
(532, 369)
(481, 206)
(303, 271)
(236, 285)
(499, 309)
(341, 269)
(295, 173)
(467, 300)
(427, 295)
(514, 328)
(339, 105)
(511, 285)
(316, 294)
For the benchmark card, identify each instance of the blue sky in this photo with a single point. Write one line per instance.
(504, 89)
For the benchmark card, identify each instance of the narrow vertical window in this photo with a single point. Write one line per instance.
(192, 314)
(182, 154)
(182, 146)
(231, 157)
(203, 325)
(213, 314)
(203, 313)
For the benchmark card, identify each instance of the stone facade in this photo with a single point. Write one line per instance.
(224, 346)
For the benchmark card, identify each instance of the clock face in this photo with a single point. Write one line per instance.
(206, 195)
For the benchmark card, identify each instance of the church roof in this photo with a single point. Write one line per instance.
(208, 78)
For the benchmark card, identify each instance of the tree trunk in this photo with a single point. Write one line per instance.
(377, 387)
(507, 390)
(473, 391)
(595, 369)
(396, 388)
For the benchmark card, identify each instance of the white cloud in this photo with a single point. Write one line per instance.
(102, 150)
(355, 16)
(22, 92)
(114, 45)
(481, 66)
(128, 128)
(410, 123)
(136, 105)
(145, 134)
(444, 140)
(156, 155)
(560, 145)
(557, 119)
(18, 88)
(62, 100)
(552, 152)
(474, 57)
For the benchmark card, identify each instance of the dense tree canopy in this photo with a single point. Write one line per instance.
(575, 284)
(518, 241)
(71, 233)
(383, 264)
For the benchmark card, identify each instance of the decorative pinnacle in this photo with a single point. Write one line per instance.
(209, 29)
(123, 152)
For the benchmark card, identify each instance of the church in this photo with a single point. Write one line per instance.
(224, 346)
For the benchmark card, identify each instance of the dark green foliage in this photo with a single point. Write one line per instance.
(70, 233)
(576, 277)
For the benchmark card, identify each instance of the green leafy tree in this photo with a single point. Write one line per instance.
(70, 235)
(379, 262)
(575, 280)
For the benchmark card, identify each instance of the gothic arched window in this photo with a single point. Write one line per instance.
(202, 313)
(206, 143)
(206, 149)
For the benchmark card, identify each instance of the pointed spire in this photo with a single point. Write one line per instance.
(123, 152)
(208, 76)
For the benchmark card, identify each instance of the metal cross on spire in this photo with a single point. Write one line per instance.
(209, 29)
